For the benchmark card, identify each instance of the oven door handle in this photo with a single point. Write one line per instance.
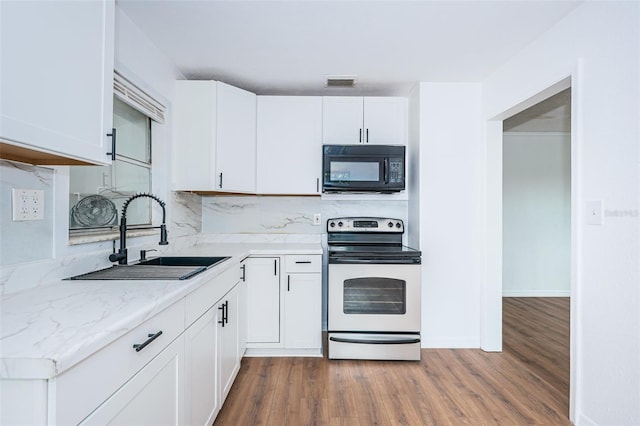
(401, 341)
(378, 261)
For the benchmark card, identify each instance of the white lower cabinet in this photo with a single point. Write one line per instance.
(228, 336)
(284, 310)
(212, 351)
(176, 368)
(154, 396)
(118, 381)
(303, 302)
(263, 301)
(201, 369)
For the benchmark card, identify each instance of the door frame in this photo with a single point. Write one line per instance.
(491, 296)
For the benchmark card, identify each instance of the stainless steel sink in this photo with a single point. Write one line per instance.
(160, 268)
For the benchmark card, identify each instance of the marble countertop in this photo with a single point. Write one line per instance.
(44, 331)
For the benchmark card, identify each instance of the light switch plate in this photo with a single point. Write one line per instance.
(317, 219)
(27, 204)
(594, 209)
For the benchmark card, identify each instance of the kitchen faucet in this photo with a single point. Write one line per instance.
(121, 256)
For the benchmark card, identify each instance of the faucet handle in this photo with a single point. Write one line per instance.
(143, 253)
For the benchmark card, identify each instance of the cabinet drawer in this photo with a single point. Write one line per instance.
(85, 386)
(199, 302)
(303, 263)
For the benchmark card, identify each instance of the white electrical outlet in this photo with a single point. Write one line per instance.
(317, 218)
(28, 204)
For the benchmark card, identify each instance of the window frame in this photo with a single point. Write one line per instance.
(130, 94)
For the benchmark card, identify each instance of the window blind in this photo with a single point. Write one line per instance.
(132, 95)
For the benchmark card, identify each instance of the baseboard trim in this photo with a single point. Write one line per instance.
(536, 293)
(444, 343)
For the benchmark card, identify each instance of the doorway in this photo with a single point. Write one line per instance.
(536, 240)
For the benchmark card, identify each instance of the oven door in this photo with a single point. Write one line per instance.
(374, 298)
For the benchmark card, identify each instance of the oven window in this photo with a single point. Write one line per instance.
(354, 171)
(375, 295)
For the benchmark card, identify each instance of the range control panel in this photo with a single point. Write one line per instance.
(365, 224)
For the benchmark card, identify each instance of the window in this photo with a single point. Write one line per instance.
(97, 193)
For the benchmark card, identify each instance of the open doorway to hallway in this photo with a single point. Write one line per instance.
(536, 240)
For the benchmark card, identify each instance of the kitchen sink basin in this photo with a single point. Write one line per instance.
(207, 262)
(160, 268)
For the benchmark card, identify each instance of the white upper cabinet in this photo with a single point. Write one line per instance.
(289, 145)
(56, 83)
(194, 139)
(236, 139)
(342, 120)
(385, 120)
(214, 143)
(374, 120)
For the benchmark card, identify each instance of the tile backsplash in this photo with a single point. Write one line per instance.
(287, 215)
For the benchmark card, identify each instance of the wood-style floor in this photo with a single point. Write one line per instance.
(525, 384)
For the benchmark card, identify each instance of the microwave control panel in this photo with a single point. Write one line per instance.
(396, 170)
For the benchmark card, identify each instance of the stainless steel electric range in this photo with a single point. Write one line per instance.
(373, 290)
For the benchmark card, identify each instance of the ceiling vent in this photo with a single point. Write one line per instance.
(340, 81)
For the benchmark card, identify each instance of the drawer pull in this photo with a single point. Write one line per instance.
(302, 261)
(223, 309)
(140, 346)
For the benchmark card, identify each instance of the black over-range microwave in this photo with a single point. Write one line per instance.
(363, 168)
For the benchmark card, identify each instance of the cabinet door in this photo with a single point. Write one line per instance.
(57, 77)
(302, 316)
(342, 120)
(154, 396)
(263, 299)
(235, 139)
(228, 334)
(201, 364)
(194, 136)
(242, 308)
(385, 120)
(289, 145)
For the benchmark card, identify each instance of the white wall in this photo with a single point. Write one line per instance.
(598, 45)
(413, 143)
(450, 213)
(536, 203)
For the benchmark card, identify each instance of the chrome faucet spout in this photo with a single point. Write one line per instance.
(121, 256)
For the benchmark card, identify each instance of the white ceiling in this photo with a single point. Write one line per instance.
(288, 47)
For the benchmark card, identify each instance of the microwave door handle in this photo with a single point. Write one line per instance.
(385, 170)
